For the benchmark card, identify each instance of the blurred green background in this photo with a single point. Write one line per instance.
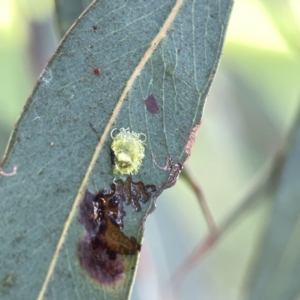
(250, 109)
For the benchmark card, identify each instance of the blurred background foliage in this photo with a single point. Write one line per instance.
(250, 109)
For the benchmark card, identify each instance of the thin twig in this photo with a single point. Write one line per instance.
(189, 176)
(260, 184)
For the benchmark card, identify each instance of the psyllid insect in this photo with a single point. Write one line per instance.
(128, 149)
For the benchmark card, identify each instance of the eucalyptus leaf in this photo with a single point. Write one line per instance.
(117, 55)
(277, 274)
(67, 11)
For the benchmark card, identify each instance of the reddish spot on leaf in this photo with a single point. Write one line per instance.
(151, 104)
(102, 248)
(191, 139)
(97, 71)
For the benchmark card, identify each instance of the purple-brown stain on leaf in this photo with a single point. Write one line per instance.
(102, 248)
(151, 104)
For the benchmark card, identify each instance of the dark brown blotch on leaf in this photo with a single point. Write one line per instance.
(151, 104)
(133, 192)
(102, 247)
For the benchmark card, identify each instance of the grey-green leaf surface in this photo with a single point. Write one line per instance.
(67, 11)
(277, 275)
(61, 143)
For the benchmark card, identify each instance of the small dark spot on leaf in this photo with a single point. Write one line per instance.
(151, 104)
(102, 247)
(94, 130)
(6, 284)
(112, 157)
(97, 71)
(8, 281)
(95, 27)
(178, 50)
(18, 240)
